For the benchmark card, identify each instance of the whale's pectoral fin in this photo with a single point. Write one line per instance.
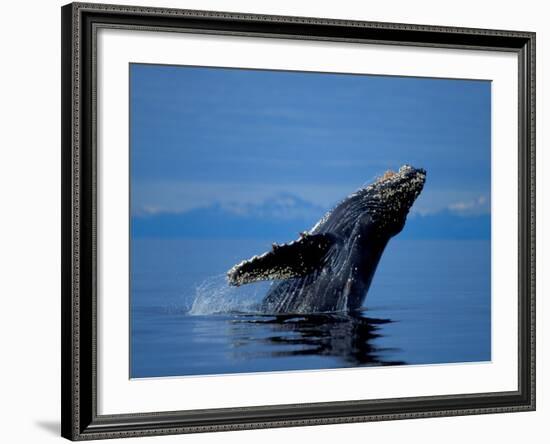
(295, 259)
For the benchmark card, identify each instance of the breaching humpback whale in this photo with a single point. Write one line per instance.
(330, 267)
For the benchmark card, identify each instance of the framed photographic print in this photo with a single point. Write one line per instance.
(279, 221)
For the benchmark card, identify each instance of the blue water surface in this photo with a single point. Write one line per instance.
(429, 303)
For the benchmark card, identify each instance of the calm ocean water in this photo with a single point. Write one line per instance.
(429, 303)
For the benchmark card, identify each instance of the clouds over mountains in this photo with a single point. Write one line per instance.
(285, 215)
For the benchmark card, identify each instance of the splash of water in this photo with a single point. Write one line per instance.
(216, 296)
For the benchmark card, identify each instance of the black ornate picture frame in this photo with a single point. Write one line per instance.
(80, 418)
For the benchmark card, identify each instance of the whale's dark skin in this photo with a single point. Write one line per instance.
(330, 268)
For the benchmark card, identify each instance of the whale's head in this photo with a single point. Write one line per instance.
(388, 200)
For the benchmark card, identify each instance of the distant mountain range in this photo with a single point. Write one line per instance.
(284, 216)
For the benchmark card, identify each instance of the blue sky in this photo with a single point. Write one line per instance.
(238, 138)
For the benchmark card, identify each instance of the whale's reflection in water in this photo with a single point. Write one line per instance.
(347, 338)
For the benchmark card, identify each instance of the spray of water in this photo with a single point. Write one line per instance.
(215, 296)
